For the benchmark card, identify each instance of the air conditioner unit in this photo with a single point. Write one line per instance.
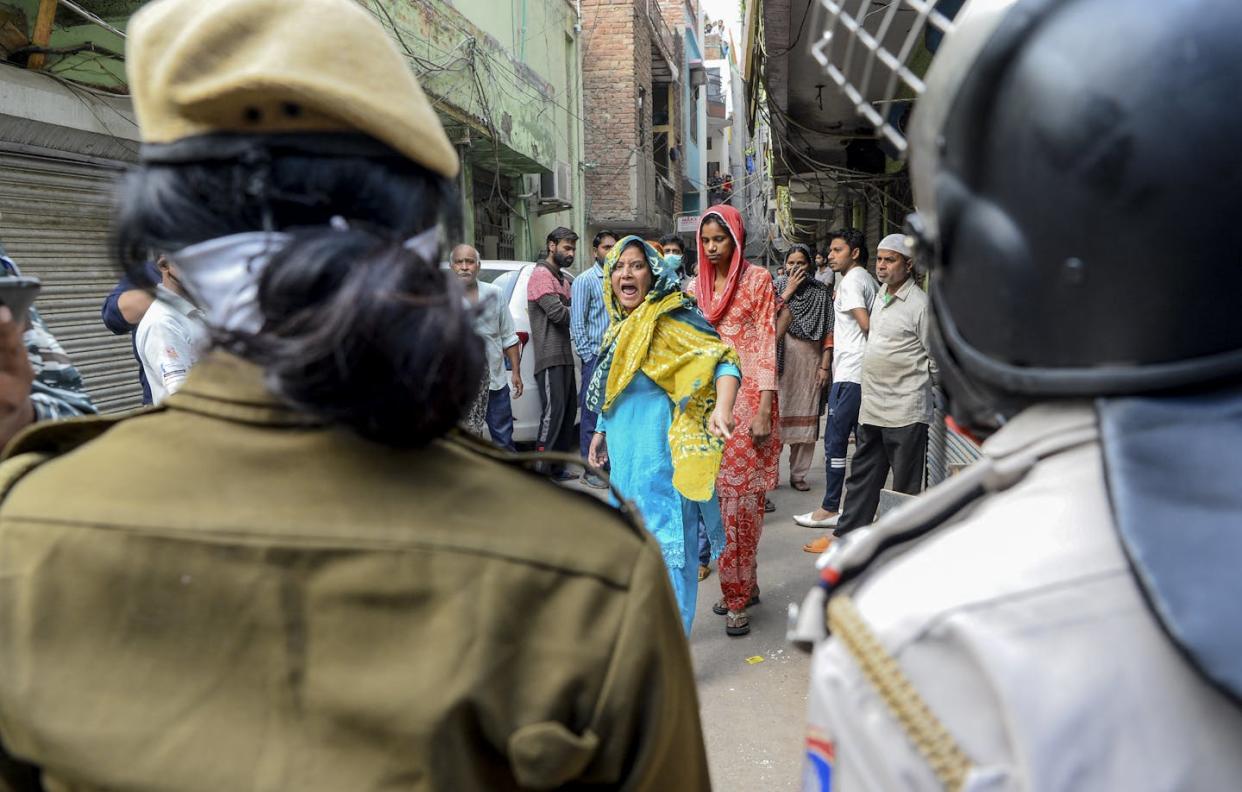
(532, 186)
(557, 187)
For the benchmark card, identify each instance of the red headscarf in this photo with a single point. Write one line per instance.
(711, 304)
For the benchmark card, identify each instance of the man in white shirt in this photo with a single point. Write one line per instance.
(494, 324)
(855, 293)
(896, 390)
(171, 335)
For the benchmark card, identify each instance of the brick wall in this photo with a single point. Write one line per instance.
(610, 105)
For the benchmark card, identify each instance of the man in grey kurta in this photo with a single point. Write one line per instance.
(896, 390)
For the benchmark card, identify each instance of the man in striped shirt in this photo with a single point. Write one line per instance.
(588, 319)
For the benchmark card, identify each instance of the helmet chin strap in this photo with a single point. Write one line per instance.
(975, 408)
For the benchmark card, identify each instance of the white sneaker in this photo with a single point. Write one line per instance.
(806, 522)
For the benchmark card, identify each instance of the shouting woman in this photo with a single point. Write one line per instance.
(665, 386)
(803, 324)
(738, 299)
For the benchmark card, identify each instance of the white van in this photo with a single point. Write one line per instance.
(512, 277)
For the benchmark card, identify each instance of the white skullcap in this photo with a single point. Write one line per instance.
(897, 244)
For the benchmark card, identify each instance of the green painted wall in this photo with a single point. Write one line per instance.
(503, 74)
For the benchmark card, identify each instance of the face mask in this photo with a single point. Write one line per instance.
(222, 276)
(674, 260)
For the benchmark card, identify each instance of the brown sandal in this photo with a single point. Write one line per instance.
(737, 624)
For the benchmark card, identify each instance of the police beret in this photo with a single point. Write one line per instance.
(199, 70)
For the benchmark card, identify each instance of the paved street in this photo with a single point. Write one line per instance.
(754, 712)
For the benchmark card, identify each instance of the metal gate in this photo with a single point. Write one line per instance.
(493, 218)
(55, 214)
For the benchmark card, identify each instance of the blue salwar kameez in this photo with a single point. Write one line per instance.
(637, 427)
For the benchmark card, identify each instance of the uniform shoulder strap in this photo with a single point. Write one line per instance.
(61, 436)
(529, 463)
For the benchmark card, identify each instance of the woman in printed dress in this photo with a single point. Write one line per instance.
(737, 298)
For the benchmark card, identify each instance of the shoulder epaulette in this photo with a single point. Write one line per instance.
(61, 436)
(528, 462)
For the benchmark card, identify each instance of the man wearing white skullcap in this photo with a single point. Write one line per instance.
(896, 392)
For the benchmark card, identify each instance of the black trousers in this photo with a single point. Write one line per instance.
(558, 400)
(902, 449)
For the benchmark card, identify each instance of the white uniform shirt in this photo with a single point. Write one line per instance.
(170, 338)
(856, 290)
(494, 324)
(1022, 629)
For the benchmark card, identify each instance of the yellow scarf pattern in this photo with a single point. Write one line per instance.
(669, 341)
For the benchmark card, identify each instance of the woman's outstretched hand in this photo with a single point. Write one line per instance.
(597, 455)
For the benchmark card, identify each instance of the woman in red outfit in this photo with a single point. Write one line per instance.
(737, 298)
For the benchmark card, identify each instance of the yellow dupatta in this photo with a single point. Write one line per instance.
(667, 339)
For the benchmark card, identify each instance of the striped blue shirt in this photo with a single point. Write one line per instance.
(587, 318)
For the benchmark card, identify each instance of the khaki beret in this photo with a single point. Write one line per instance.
(277, 66)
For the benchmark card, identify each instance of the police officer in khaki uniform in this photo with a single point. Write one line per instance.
(1062, 615)
(287, 577)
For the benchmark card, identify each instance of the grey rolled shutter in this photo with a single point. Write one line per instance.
(55, 214)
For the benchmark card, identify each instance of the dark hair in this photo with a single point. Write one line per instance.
(561, 234)
(800, 248)
(854, 239)
(599, 237)
(635, 243)
(673, 239)
(713, 217)
(357, 329)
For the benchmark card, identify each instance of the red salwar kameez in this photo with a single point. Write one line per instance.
(745, 317)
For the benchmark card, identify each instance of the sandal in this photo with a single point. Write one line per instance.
(819, 545)
(768, 506)
(800, 486)
(737, 623)
(704, 571)
(720, 609)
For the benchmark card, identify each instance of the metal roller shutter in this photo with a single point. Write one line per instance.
(946, 449)
(54, 219)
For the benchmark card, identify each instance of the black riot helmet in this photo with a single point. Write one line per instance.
(1077, 166)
